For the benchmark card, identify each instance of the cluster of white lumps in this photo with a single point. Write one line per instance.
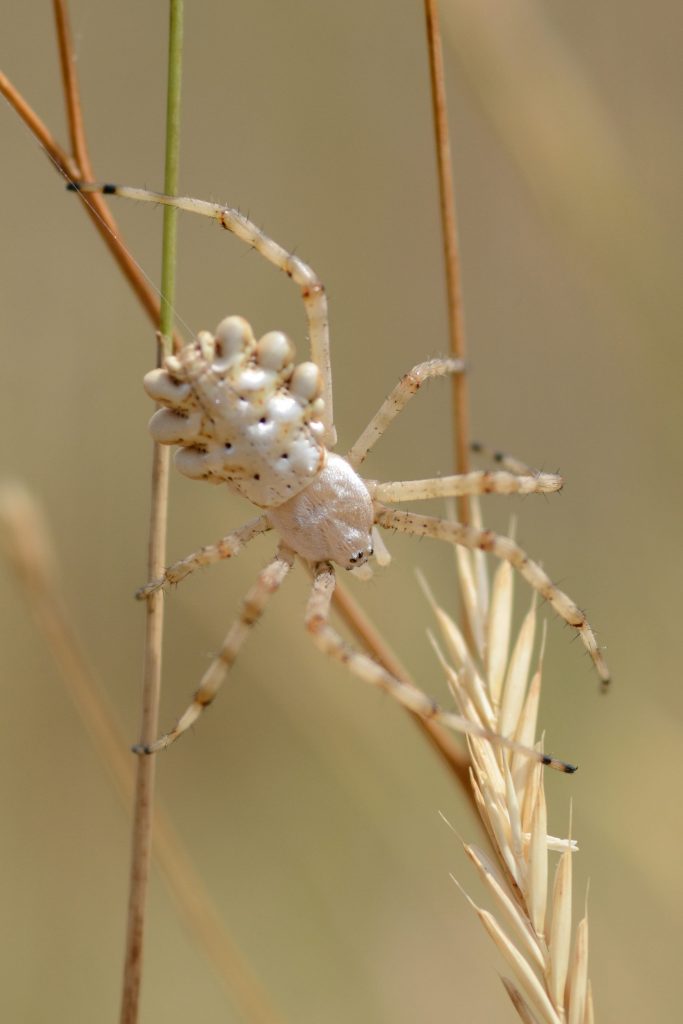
(242, 412)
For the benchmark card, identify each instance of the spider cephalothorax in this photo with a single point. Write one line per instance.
(244, 414)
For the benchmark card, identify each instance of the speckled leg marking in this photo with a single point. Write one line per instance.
(330, 643)
(509, 551)
(227, 547)
(396, 402)
(267, 582)
(477, 482)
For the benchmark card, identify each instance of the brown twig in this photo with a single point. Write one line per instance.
(72, 97)
(143, 814)
(450, 243)
(143, 808)
(70, 168)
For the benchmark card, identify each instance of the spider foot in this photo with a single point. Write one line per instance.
(148, 748)
(559, 766)
(142, 593)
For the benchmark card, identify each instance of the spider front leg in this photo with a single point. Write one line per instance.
(407, 387)
(267, 582)
(477, 482)
(329, 642)
(503, 459)
(227, 547)
(311, 287)
(509, 551)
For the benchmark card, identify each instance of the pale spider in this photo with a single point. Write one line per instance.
(244, 414)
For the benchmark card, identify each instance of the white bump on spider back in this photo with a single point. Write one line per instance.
(242, 412)
(275, 351)
(331, 520)
(306, 382)
(235, 338)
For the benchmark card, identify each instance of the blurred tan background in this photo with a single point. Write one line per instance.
(310, 804)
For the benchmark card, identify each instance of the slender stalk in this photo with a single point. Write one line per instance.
(72, 93)
(76, 165)
(144, 784)
(456, 325)
(37, 127)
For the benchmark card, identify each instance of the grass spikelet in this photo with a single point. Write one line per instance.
(494, 678)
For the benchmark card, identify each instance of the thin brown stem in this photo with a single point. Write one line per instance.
(144, 783)
(94, 204)
(72, 95)
(143, 816)
(450, 243)
(37, 127)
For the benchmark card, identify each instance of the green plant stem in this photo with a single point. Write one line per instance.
(144, 785)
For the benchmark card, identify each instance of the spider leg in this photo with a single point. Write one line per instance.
(509, 551)
(396, 401)
(329, 642)
(267, 582)
(310, 285)
(508, 462)
(227, 547)
(478, 482)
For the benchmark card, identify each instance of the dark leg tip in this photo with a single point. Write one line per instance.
(73, 186)
(605, 685)
(562, 766)
(141, 748)
(109, 190)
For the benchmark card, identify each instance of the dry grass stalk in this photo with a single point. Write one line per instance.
(494, 684)
(449, 231)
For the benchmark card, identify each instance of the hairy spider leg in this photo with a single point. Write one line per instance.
(507, 461)
(509, 551)
(253, 606)
(330, 642)
(227, 547)
(396, 401)
(474, 483)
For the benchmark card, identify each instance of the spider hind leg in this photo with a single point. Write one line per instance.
(330, 642)
(267, 582)
(507, 549)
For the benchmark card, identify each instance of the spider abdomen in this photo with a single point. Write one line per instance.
(242, 412)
